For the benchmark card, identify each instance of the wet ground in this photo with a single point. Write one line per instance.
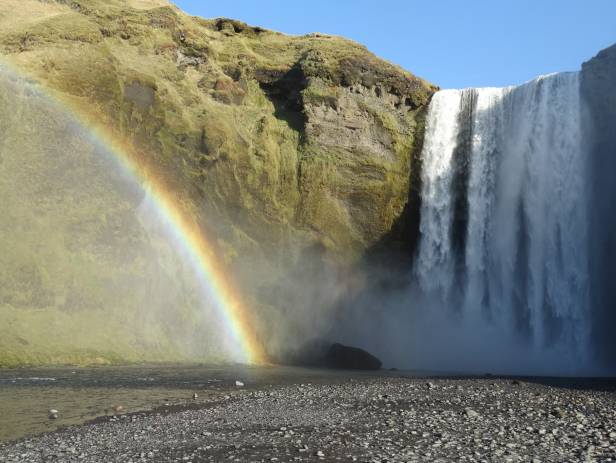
(82, 394)
(291, 414)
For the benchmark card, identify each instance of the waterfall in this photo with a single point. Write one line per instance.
(503, 232)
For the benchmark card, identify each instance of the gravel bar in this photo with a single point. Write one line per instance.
(373, 419)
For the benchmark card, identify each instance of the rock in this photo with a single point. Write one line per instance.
(117, 408)
(597, 89)
(352, 358)
(195, 396)
(294, 152)
(239, 384)
(372, 418)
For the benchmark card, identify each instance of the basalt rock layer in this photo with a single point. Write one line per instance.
(597, 86)
(295, 154)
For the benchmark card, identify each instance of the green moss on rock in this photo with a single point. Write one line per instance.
(275, 143)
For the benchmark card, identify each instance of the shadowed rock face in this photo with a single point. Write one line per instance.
(293, 153)
(599, 92)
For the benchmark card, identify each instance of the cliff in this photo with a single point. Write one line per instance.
(295, 153)
(598, 80)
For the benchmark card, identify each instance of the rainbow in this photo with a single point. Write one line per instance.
(186, 232)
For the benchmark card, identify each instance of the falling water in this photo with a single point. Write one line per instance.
(503, 224)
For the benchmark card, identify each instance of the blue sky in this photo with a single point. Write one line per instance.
(453, 43)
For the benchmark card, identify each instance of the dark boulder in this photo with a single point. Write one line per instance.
(352, 358)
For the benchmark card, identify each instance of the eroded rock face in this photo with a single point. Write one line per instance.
(294, 154)
(371, 132)
(599, 92)
(358, 130)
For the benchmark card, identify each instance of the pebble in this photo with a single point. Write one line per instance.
(118, 408)
(371, 419)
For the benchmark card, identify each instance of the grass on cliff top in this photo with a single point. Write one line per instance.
(228, 42)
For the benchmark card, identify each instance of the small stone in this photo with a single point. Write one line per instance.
(195, 396)
(118, 408)
(320, 454)
(239, 384)
(469, 412)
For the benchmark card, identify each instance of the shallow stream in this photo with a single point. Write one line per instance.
(83, 394)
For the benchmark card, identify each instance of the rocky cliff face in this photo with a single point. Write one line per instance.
(295, 153)
(598, 90)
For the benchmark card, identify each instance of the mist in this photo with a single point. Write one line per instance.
(511, 273)
(513, 267)
(88, 266)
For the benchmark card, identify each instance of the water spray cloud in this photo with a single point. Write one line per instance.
(240, 339)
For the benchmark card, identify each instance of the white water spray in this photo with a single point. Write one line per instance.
(503, 221)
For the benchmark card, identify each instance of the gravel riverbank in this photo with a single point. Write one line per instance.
(360, 419)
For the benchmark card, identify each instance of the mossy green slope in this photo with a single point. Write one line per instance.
(284, 148)
(82, 276)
